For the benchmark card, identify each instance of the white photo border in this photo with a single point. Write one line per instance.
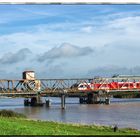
(69, 1)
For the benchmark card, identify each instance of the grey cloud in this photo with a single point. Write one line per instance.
(51, 71)
(11, 58)
(108, 71)
(66, 50)
(4, 74)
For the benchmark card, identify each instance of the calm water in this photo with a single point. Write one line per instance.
(124, 112)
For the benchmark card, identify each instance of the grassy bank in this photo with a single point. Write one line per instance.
(15, 124)
(21, 126)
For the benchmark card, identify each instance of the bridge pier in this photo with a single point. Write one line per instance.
(38, 98)
(107, 101)
(48, 103)
(26, 102)
(94, 98)
(90, 98)
(63, 101)
(33, 101)
(82, 100)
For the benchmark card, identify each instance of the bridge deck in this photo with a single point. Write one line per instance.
(59, 86)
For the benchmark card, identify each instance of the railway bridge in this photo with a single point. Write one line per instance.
(89, 90)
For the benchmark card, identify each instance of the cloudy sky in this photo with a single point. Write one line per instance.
(69, 41)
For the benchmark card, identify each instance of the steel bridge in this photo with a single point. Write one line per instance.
(55, 87)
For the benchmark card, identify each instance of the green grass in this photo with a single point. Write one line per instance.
(10, 113)
(15, 124)
(23, 127)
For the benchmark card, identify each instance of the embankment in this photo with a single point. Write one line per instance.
(10, 125)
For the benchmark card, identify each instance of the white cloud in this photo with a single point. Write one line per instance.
(11, 58)
(115, 40)
(87, 29)
(66, 50)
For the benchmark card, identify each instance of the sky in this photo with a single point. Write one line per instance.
(69, 41)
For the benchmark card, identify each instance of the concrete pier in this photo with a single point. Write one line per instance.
(48, 103)
(90, 98)
(63, 100)
(94, 98)
(33, 101)
(26, 102)
(83, 100)
(107, 101)
(39, 99)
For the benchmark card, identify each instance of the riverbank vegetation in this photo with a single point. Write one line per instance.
(10, 113)
(20, 126)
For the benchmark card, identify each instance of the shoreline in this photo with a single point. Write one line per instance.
(30, 127)
(81, 124)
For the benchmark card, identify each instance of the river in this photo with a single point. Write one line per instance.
(123, 112)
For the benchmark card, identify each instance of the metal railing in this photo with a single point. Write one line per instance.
(68, 86)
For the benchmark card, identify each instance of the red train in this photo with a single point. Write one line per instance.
(94, 86)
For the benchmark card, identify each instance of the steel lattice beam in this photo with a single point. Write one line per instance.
(56, 86)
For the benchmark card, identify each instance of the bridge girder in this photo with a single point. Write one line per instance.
(58, 86)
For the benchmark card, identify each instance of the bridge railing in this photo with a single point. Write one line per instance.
(59, 85)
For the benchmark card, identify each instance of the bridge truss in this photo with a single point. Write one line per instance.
(65, 86)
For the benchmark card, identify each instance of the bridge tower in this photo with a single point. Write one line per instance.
(28, 75)
(35, 85)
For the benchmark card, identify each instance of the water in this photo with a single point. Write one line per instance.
(123, 112)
